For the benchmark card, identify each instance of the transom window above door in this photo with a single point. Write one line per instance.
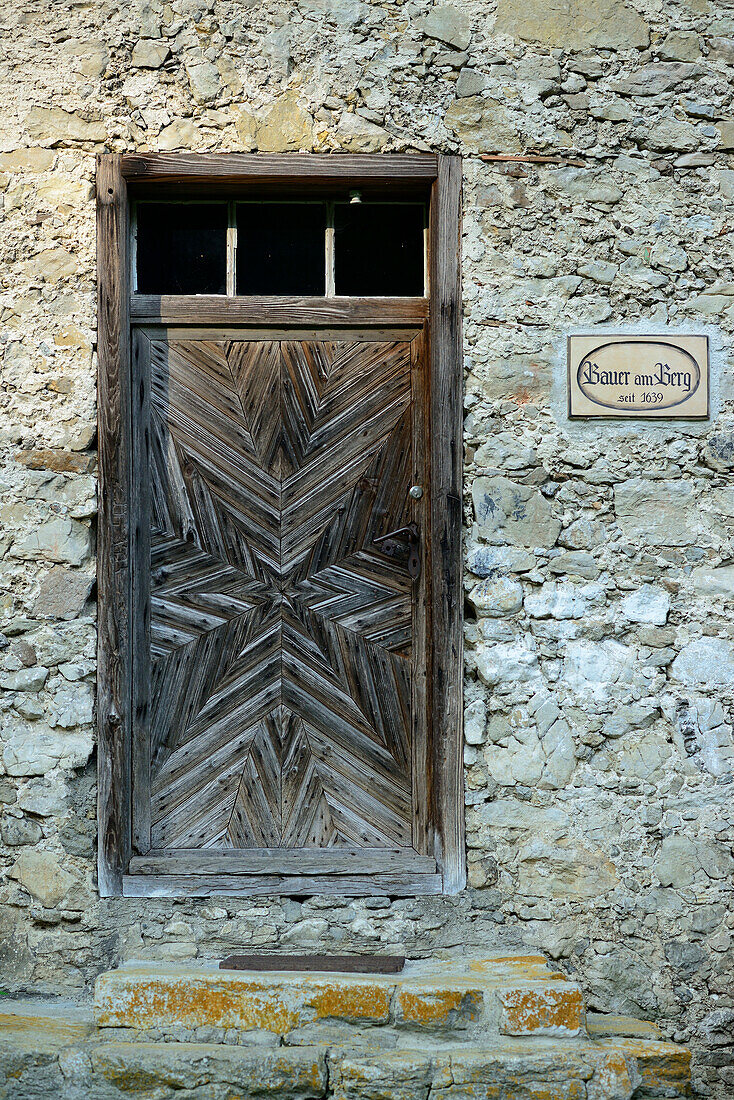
(355, 247)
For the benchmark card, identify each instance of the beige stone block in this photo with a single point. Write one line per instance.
(89, 58)
(149, 53)
(63, 593)
(59, 190)
(181, 133)
(57, 459)
(726, 134)
(359, 135)
(18, 192)
(42, 876)
(230, 77)
(680, 46)
(482, 125)
(286, 126)
(53, 126)
(670, 134)
(71, 336)
(246, 127)
(663, 513)
(61, 539)
(51, 265)
(574, 24)
(521, 380)
(517, 512)
(564, 870)
(27, 160)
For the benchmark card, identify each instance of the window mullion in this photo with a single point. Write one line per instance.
(134, 249)
(231, 249)
(330, 270)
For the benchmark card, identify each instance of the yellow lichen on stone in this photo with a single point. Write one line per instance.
(195, 1003)
(345, 1001)
(530, 966)
(660, 1065)
(550, 1010)
(433, 1007)
(41, 1032)
(616, 1075)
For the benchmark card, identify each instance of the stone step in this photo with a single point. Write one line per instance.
(601, 1025)
(43, 1054)
(514, 996)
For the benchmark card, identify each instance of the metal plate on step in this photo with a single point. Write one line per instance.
(344, 964)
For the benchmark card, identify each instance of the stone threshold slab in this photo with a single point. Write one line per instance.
(505, 995)
(33, 1048)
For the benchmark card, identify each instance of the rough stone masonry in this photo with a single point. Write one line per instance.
(599, 557)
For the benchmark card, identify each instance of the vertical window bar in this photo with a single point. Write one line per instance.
(134, 248)
(231, 249)
(330, 271)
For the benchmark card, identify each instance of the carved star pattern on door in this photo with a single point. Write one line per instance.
(280, 632)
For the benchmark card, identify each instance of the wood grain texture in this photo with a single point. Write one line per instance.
(113, 668)
(282, 712)
(216, 309)
(306, 758)
(192, 886)
(422, 657)
(316, 964)
(446, 366)
(140, 505)
(268, 168)
(282, 861)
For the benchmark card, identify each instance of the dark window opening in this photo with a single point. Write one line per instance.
(281, 248)
(378, 249)
(295, 247)
(181, 248)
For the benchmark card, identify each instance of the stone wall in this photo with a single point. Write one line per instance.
(600, 561)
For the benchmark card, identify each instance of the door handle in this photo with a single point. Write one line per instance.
(411, 535)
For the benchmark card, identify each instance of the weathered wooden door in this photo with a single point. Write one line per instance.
(279, 690)
(279, 644)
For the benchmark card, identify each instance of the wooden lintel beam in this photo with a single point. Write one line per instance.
(267, 168)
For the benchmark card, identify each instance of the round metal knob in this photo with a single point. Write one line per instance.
(416, 492)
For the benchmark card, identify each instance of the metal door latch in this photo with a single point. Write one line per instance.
(411, 535)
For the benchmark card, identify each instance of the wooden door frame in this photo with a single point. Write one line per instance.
(119, 176)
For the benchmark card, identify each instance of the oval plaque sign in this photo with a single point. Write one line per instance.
(638, 376)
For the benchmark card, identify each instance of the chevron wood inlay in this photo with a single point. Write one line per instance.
(282, 700)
